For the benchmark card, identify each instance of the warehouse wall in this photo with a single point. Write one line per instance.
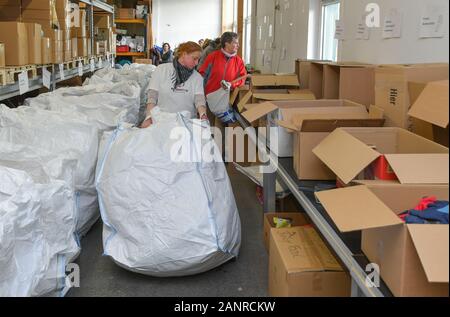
(407, 49)
(177, 21)
(281, 35)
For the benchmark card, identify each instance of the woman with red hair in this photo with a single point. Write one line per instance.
(177, 87)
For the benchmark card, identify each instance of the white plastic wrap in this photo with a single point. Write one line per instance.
(37, 224)
(59, 134)
(105, 105)
(170, 219)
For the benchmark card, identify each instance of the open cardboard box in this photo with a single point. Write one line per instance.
(316, 75)
(298, 219)
(302, 69)
(431, 108)
(274, 87)
(413, 259)
(412, 158)
(280, 113)
(332, 80)
(301, 265)
(392, 89)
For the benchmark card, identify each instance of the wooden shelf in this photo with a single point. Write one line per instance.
(130, 21)
(131, 54)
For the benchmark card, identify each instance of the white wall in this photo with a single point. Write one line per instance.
(284, 34)
(178, 21)
(407, 49)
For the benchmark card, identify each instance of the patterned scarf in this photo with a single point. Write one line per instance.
(181, 75)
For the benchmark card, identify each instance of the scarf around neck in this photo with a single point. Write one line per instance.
(228, 55)
(182, 74)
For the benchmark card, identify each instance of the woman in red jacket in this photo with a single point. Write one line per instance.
(224, 68)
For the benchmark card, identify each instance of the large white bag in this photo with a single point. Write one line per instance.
(105, 105)
(59, 134)
(36, 234)
(164, 218)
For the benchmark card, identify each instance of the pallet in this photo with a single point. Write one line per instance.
(12, 72)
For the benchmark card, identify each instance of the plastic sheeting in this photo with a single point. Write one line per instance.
(105, 105)
(171, 218)
(36, 233)
(59, 134)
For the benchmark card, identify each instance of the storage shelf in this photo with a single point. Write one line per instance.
(100, 5)
(283, 171)
(134, 54)
(129, 21)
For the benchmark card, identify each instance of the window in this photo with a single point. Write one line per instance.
(246, 41)
(329, 47)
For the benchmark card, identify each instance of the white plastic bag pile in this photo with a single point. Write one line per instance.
(171, 218)
(37, 221)
(104, 105)
(59, 134)
(139, 73)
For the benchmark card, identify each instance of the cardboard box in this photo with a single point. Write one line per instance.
(300, 265)
(143, 61)
(102, 21)
(413, 159)
(332, 82)
(413, 259)
(14, 37)
(82, 47)
(54, 35)
(316, 75)
(2, 55)
(274, 87)
(67, 45)
(34, 43)
(74, 47)
(358, 84)
(10, 13)
(89, 46)
(58, 5)
(431, 108)
(392, 89)
(68, 55)
(302, 69)
(298, 219)
(46, 52)
(126, 13)
(284, 111)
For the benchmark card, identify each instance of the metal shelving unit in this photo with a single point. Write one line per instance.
(12, 90)
(347, 248)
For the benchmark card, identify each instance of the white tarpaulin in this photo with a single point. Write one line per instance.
(59, 134)
(162, 217)
(37, 225)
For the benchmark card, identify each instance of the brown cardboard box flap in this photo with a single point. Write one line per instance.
(357, 208)
(244, 100)
(281, 97)
(255, 113)
(234, 95)
(331, 124)
(431, 243)
(345, 155)
(275, 80)
(302, 250)
(420, 168)
(432, 104)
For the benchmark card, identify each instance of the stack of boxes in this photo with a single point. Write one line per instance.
(45, 31)
(105, 41)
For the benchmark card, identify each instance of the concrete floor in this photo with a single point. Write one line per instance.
(247, 276)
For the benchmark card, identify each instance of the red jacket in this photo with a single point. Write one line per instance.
(216, 65)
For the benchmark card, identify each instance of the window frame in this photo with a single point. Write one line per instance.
(324, 4)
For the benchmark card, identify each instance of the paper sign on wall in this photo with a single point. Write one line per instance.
(61, 72)
(362, 31)
(392, 27)
(340, 30)
(432, 22)
(24, 85)
(46, 78)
